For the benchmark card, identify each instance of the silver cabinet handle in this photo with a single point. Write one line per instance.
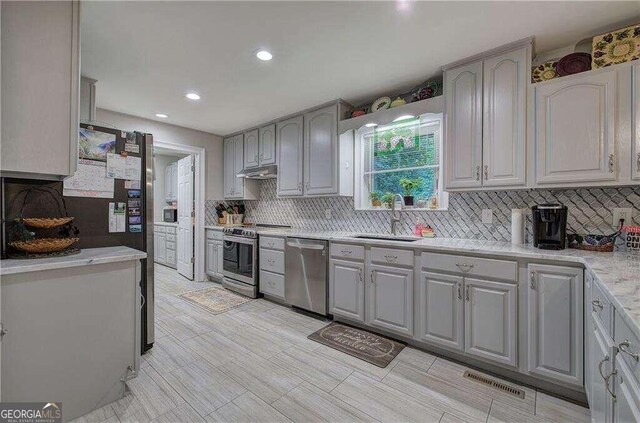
(299, 186)
(270, 244)
(373, 276)
(390, 258)
(3, 331)
(307, 186)
(256, 158)
(467, 294)
(346, 252)
(486, 172)
(605, 359)
(597, 303)
(532, 278)
(459, 291)
(624, 347)
(606, 384)
(360, 274)
(638, 162)
(464, 267)
(271, 261)
(478, 173)
(611, 163)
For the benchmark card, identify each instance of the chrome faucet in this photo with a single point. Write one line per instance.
(395, 217)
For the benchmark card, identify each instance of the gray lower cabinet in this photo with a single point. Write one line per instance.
(346, 289)
(164, 245)
(491, 320)
(441, 310)
(160, 248)
(213, 260)
(555, 322)
(390, 299)
(600, 366)
(626, 407)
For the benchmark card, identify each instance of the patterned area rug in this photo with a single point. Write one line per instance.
(215, 300)
(359, 343)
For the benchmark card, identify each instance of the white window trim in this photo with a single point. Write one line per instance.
(361, 194)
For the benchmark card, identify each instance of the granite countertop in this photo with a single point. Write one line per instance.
(618, 273)
(87, 256)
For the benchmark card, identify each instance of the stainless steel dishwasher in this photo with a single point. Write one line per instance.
(305, 276)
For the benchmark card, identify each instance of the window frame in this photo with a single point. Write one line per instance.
(361, 185)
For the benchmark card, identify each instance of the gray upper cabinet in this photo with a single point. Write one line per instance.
(236, 188)
(251, 149)
(290, 154)
(321, 151)
(238, 160)
(441, 310)
(229, 175)
(390, 299)
(40, 89)
(555, 322)
(268, 145)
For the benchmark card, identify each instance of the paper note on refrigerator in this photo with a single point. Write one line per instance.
(117, 217)
(90, 180)
(124, 167)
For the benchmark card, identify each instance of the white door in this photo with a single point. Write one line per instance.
(635, 128)
(463, 117)
(491, 320)
(390, 299)
(268, 145)
(251, 149)
(346, 289)
(185, 222)
(575, 129)
(238, 160)
(504, 123)
(321, 151)
(229, 177)
(440, 310)
(290, 156)
(555, 327)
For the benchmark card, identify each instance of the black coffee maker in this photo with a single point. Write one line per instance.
(549, 226)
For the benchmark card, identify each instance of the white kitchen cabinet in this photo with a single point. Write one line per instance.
(212, 258)
(600, 366)
(504, 118)
(635, 125)
(555, 322)
(171, 182)
(321, 151)
(40, 89)
(575, 129)
(441, 308)
(491, 320)
(626, 407)
(251, 149)
(463, 119)
(268, 145)
(233, 162)
(290, 156)
(346, 289)
(390, 299)
(160, 248)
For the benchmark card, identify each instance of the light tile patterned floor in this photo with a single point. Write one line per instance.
(255, 364)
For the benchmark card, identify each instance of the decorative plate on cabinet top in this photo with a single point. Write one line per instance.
(616, 47)
(573, 63)
(398, 102)
(381, 103)
(544, 71)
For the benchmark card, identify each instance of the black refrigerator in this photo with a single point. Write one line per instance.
(92, 214)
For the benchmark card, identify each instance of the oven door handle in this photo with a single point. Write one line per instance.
(306, 247)
(239, 240)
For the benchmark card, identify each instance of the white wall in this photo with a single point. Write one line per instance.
(177, 135)
(160, 163)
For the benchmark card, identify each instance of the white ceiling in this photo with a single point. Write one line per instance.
(147, 55)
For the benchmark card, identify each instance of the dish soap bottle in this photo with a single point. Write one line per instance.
(418, 229)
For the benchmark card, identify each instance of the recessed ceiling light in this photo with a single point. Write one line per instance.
(264, 55)
(371, 125)
(404, 117)
(193, 96)
(162, 115)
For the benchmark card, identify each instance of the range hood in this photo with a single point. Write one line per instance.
(261, 172)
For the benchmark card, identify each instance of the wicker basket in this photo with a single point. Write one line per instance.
(44, 245)
(46, 222)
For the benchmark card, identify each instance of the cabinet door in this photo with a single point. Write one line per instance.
(635, 127)
(440, 310)
(321, 151)
(600, 366)
(504, 123)
(238, 160)
(251, 149)
(168, 186)
(463, 161)
(289, 138)
(211, 258)
(219, 257)
(174, 182)
(390, 299)
(346, 289)
(626, 407)
(491, 320)
(268, 145)
(229, 176)
(156, 246)
(555, 327)
(575, 129)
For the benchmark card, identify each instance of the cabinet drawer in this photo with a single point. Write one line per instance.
(271, 284)
(489, 268)
(347, 251)
(272, 243)
(213, 234)
(628, 345)
(271, 260)
(171, 257)
(160, 229)
(171, 230)
(392, 256)
(601, 308)
(171, 237)
(171, 245)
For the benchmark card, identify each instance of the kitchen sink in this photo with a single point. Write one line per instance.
(389, 238)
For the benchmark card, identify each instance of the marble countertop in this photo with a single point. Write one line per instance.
(214, 227)
(618, 273)
(166, 223)
(87, 256)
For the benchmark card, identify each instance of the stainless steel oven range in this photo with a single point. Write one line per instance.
(240, 264)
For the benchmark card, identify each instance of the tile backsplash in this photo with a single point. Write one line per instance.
(590, 211)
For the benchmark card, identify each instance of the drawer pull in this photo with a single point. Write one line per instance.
(532, 278)
(346, 252)
(605, 359)
(597, 303)
(270, 244)
(390, 258)
(624, 347)
(464, 268)
(271, 261)
(606, 384)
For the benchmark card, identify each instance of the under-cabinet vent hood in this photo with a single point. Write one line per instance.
(262, 172)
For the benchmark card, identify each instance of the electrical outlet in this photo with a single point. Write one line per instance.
(622, 213)
(327, 213)
(487, 216)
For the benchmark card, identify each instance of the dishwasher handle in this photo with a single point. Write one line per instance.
(306, 246)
